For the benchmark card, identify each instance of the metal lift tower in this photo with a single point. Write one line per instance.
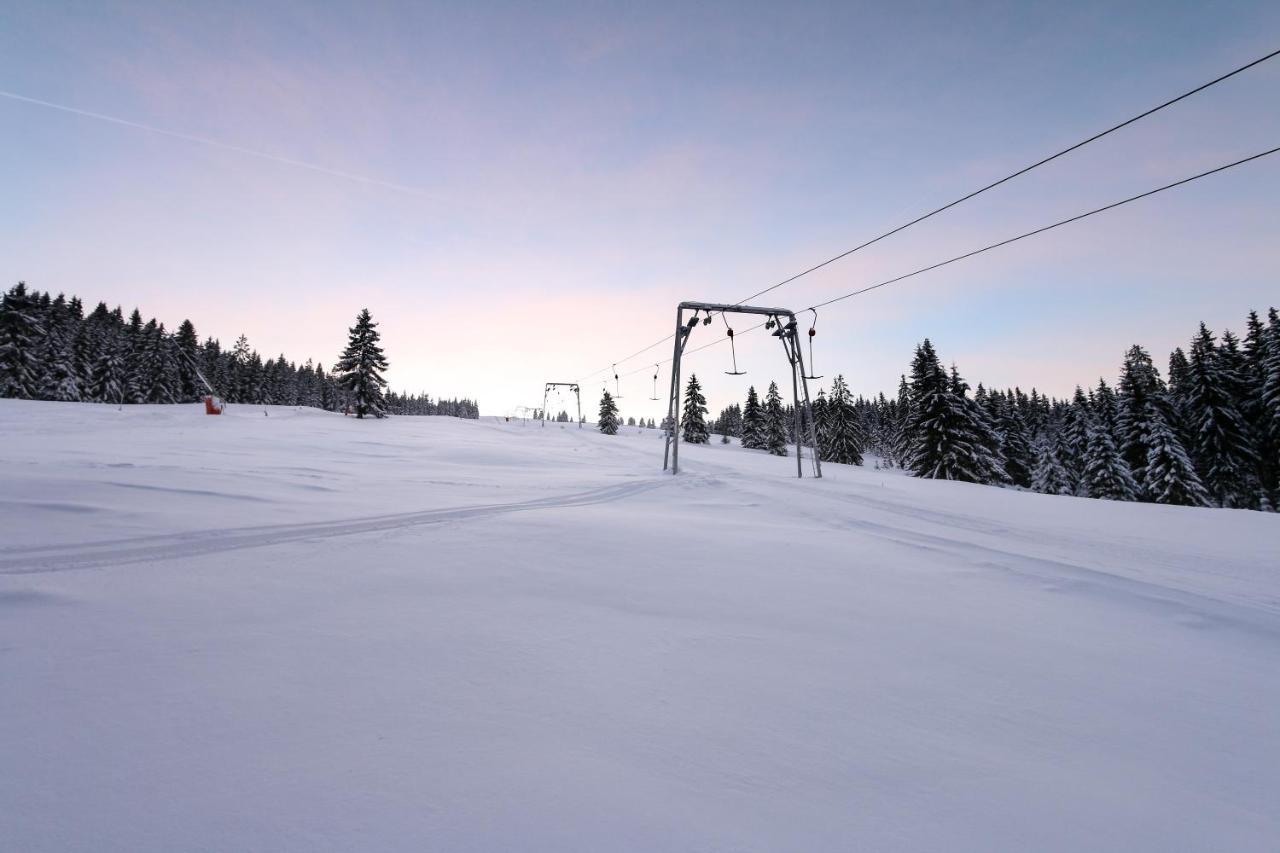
(546, 392)
(783, 323)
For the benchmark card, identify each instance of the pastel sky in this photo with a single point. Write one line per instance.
(556, 177)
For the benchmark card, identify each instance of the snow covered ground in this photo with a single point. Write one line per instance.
(300, 632)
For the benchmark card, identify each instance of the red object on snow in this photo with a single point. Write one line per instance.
(211, 406)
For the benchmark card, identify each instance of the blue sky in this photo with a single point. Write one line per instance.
(568, 172)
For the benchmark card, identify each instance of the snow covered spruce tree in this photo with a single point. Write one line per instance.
(1170, 477)
(841, 433)
(186, 346)
(753, 426)
(1073, 443)
(1140, 392)
(19, 331)
(1106, 474)
(947, 436)
(359, 371)
(897, 427)
(819, 409)
(608, 414)
(1015, 442)
(106, 382)
(693, 418)
(1268, 420)
(62, 375)
(1228, 463)
(775, 422)
(1048, 476)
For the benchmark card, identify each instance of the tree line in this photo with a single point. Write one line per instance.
(1207, 435)
(50, 349)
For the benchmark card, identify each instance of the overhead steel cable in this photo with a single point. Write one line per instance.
(1024, 170)
(1045, 228)
(1018, 173)
(1034, 232)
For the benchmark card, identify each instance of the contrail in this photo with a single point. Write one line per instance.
(213, 143)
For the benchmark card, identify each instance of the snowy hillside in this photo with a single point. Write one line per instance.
(300, 632)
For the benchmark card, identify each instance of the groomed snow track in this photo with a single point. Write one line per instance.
(89, 555)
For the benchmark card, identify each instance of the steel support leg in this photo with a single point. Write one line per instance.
(667, 453)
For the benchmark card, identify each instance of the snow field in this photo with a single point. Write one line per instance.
(299, 632)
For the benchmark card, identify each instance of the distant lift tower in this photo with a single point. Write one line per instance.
(783, 324)
(554, 386)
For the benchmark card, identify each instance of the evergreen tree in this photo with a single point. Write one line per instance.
(238, 371)
(898, 442)
(1178, 396)
(1141, 401)
(159, 367)
(1019, 456)
(608, 414)
(19, 373)
(775, 422)
(843, 437)
(1170, 478)
(359, 371)
(1268, 418)
(1226, 460)
(1074, 439)
(1048, 476)
(944, 426)
(978, 430)
(1106, 408)
(693, 418)
(106, 383)
(187, 349)
(820, 424)
(84, 350)
(134, 349)
(753, 424)
(1106, 474)
(61, 379)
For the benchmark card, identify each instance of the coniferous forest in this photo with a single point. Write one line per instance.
(51, 350)
(1205, 433)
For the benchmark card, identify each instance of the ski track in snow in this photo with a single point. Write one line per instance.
(56, 558)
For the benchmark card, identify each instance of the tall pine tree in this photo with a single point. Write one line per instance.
(19, 331)
(1226, 460)
(1169, 476)
(1106, 474)
(753, 425)
(359, 371)
(1048, 476)
(842, 436)
(608, 414)
(775, 422)
(693, 418)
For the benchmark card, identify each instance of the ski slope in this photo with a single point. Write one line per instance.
(299, 632)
